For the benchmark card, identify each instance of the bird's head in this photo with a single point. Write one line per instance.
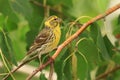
(52, 22)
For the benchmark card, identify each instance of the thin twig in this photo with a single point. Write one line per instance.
(19, 66)
(103, 75)
(40, 68)
(75, 35)
(51, 71)
(45, 7)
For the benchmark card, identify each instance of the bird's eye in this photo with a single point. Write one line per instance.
(55, 19)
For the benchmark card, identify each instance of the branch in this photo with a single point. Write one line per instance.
(40, 68)
(75, 35)
(101, 76)
(19, 66)
(46, 6)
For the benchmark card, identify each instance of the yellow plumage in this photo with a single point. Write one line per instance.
(47, 39)
(45, 42)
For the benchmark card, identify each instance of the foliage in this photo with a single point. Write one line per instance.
(85, 58)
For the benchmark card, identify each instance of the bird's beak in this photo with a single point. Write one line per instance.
(59, 20)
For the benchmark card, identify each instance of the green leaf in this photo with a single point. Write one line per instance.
(9, 18)
(10, 25)
(66, 2)
(35, 24)
(109, 46)
(101, 69)
(116, 58)
(94, 31)
(54, 2)
(101, 45)
(18, 38)
(64, 69)
(58, 69)
(32, 13)
(67, 70)
(96, 35)
(30, 36)
(103, 3)
(82, 67)
(6, 46)
(22, 7)
(74, 66)
(116, 27)
(116, 76)
(42, 77)
(2, 19)
(85, 7)
(90, 51)
(5, 9)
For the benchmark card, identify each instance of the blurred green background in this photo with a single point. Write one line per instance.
(93, 53)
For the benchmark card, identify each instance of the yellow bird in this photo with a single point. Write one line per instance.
(47, 39)
(45, 42)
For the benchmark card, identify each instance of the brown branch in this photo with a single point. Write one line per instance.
(51, 71)
(19, 66)
(40, 68)
(75, 35)
(101, 76)
(45, 7)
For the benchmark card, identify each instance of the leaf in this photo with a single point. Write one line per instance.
(2, 19)
(116, 27)
(54, 2)
(101, 45)
(58, 69)
(32, 13)
(18, 38)
(10, 25)
(82, 67)
(6, 46)
(42, 77)
(5, 9)
(116, 58)
(109, 45)
(103, 3)
(66, 2)
(63, 67)
(90, 51)
(116, 76)
(90, 9)
(74, 66)
(29, 11)
(94, 31)
(67, 70)
(96, 35)
(30, 36)
(22, 7)
(35, 23)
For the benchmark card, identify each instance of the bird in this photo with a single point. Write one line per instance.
(46, 41)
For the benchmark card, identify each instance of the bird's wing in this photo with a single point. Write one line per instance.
(40, 40)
